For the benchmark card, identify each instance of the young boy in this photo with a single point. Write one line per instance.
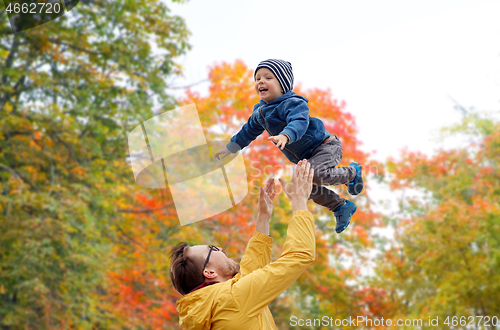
(285, 116)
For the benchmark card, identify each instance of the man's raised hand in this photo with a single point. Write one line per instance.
(266, 198)
(300, 187)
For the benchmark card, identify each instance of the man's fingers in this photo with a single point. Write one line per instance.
(272, 195)
(269, 186)
(285, 186)
(307, 170)
(265, 197)
(304, 169)
(301, 168)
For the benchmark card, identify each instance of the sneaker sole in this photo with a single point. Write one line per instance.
(350, 215)
(356, 189)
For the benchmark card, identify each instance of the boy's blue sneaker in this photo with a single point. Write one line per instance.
(343, 215)
(356, 186)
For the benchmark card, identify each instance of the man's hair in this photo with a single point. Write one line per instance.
(186, 272)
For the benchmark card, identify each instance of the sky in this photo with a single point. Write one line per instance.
(400, 66)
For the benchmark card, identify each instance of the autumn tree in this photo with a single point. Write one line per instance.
(140, 293)
(324, 288)
(70, 91)
(445, 258)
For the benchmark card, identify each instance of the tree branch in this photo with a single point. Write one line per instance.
(71, 151)
(12, 53)
(58, 42)
(5, 31)
(144, 210)
(19, 176)
(458, 106)
(129, 238)
(13, 133)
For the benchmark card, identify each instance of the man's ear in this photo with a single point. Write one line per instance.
(209, 274)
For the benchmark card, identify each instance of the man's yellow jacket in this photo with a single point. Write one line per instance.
(242, 302)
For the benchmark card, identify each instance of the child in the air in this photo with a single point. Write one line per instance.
(285, 116)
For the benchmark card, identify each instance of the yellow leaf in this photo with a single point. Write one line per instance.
(8, 107)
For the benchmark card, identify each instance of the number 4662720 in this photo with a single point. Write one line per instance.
(34, 8)
(463, 321)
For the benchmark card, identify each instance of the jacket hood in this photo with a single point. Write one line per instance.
(283, 97)
(195, 308)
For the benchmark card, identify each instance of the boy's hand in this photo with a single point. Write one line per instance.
(281, 140)
(221, 154)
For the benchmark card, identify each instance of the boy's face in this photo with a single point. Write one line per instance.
(267, 85)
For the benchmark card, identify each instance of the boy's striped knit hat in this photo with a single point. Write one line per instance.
(281, 69)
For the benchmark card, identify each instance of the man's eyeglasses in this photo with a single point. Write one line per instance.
(212, 248)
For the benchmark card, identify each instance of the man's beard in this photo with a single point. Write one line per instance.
(233, 268)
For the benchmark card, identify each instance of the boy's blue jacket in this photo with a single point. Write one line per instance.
(288, 114)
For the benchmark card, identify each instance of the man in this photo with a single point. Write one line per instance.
(219, 293)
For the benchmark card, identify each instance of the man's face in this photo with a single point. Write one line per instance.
(219, 261)
(267, 85)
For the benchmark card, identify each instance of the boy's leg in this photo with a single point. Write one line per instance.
(341, 208)
(326, 197)
(324, 159)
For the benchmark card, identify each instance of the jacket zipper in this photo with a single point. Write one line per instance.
(270, 133)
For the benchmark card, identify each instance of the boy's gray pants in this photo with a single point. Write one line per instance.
(323, 160)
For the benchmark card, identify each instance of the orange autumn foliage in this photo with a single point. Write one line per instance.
(445, 257)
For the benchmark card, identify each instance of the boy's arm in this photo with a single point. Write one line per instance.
(297, 119)
(247, 134)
